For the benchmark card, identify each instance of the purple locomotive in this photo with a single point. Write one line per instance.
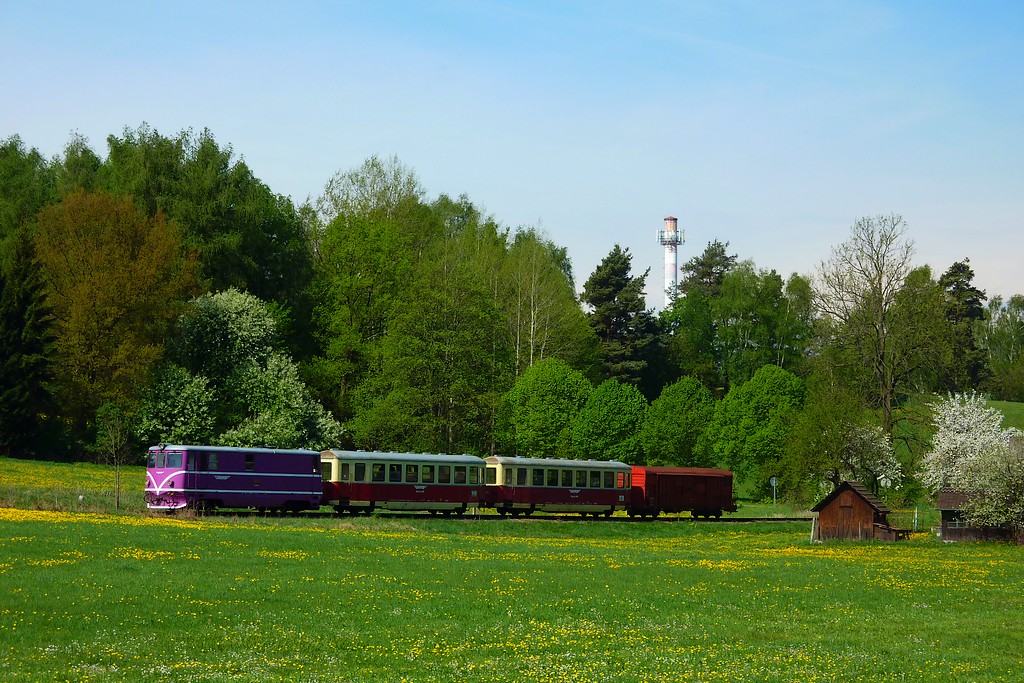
(208, 477)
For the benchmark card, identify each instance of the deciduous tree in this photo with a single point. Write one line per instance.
(882, 319)
(115, 280)
(674, 424)
(609, 424)
(539, 409)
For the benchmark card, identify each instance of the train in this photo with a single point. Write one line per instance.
(361, 482)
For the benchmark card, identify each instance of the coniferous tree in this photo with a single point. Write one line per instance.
(627, 332)
(965, 307)
(25, 346)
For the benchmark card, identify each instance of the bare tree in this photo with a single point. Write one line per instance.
(883, 318)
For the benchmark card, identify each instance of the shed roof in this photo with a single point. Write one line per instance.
(860, 490)
(952, 499)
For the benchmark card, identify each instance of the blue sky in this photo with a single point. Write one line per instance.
(772, 126)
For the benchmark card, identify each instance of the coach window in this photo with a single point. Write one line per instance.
(581, 479)
(509, 476)
(474, 475)
(492, 476)
(360, 469)
(378, 471)
(460, 474)
(538, 476)
(609, 480)
(325, 472)
(566, 478)
(595, 479)
(394, 472)
(520, 476)
(444, 474)
(552, 478)
(621, 480)
(428, 474)
(346, 470)
(412, 474)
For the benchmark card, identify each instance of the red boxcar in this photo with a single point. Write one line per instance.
(361, 481)
(702, 492)
(519, 486)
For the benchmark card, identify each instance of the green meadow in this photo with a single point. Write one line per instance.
(102, 597)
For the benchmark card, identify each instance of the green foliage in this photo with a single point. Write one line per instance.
(539, 409)
(219, 332)
(246, 236)
(115, 280)
(179, 408)
(706, 273)
(628, 335)
(535, 292)
(1001, 336)
(752, 424)
(609, 424)
(882, 322)
(26, 186)
(25, 350)
(674, 424)
(232, 384)
(271, 407)
(968, 367)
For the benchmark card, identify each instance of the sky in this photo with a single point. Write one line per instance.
(773, 126)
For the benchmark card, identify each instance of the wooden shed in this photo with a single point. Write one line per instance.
(953, 527)
(853, 512)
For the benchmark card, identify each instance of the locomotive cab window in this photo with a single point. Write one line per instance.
(212, 466)
(412, 474)
(360, 472)
(193, 460)
(428, 474)
(174, 460)
(250, 462)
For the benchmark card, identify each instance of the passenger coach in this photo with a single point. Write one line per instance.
(208, 477)
(362, 481)
(520, 486)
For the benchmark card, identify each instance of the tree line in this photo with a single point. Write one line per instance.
(166, 287)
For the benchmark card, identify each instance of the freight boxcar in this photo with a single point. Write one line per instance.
(520, 486)
(362, 481)
(208, 477)
(703, 492)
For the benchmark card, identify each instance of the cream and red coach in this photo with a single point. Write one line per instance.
(520, 486)
(363, 481)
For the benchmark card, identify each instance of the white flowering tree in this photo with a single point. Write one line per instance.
(971, 450)
(867, 456)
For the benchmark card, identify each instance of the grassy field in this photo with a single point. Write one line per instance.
(95, 597)
(91, 596)
(1013, 413)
